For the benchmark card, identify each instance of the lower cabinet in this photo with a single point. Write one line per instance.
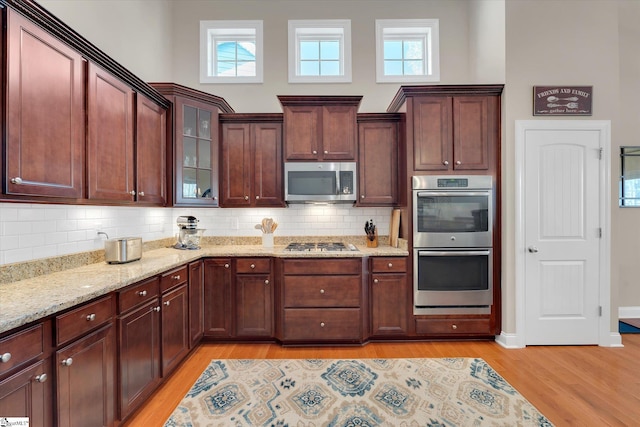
(85, 380)
(388, 296)
(196, 305)
(451, 326)
(217, 298)
(175, 327)
(29, 393)
(254, 297)
(322, 300)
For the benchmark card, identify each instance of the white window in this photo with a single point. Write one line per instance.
(231, 52)
(320, 51)
(407, 50)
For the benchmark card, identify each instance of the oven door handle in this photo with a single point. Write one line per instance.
(453, 253)
(452, 193)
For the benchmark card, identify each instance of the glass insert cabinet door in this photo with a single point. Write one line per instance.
(197, 155)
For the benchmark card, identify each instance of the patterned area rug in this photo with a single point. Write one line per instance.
(364, 392)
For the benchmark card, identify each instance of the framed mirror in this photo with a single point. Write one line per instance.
(630, 177)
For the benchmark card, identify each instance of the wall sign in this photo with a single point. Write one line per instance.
(562, 100)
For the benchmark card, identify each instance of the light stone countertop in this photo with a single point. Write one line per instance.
(28, 300)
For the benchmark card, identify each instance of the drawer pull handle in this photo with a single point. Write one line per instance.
(322, 324)
(5, 357)
(132, 192)
(266, 282)
(167, 303)
(176, 277)
(226, 266)
(375, 280)
(458, 162)
(454, 326)
(446, 162)
(91, 317)
(156, 309)
(142, 293)
(252, 266)
(390, 265)
(314, 152)
(141, 193)
(67, 362)
(16, 180)
(41, 378)
(322, 291)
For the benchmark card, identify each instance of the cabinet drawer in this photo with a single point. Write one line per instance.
(83, 319)
(388, 265)
(322, 324)
(455, 326)
(253, 265)
(25, 345)
(322, 291)
(322, 266)
(173, 278)
(138, 294)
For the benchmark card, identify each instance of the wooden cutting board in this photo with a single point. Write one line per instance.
(394, 228)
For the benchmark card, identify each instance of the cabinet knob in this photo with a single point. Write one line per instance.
(257, 197)
(226, 265)
(326, 152)
(41, 378)
(156, 309)
(16, 180)
(67, 362)
(390, 265)
(266, 282)
(454, 326)
(133, 193)
(167, 303)
(141, 193)
(246, 197)
(458, 162)
(322, 324)
(5, 357)
(91, 317)
(142, 293)
(446, 162)
(314, 152)
(375, 281)
(176, 277)
(322, 291)
(252, 266)
(215, 198)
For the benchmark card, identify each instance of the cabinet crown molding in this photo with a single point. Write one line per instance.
(404, 92)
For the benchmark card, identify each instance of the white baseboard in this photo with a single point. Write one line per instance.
(510, 341)
(628, 312)
(615, 340)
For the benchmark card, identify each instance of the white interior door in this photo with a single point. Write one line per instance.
(562, 235)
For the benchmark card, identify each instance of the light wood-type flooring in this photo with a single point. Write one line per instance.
(572, 386)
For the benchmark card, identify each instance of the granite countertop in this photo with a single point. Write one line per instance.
(25, 301)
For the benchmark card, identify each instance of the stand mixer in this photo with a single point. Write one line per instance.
(188, 233)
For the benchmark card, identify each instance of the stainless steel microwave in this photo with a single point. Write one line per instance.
(328, 182)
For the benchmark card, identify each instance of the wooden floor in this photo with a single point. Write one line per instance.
(572, 386)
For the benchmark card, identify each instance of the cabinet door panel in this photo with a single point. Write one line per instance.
(267, 164)
(110, 148)
(86, 386)
(236, 164)
(196, 307)
(45, 116)
(302, 132)
(175, 327)
(22, 395)
(389, 304)
(378, 164)
(254, 305)
(217, 297)
(432, 133)
(151, 139)
(338, 132)
(471, 133)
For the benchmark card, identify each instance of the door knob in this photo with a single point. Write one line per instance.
(533, 249)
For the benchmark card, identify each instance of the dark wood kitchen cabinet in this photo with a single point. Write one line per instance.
(322, 300)
(196, 303)
(195, 134)
(110, 144)
(151, 143)
(320, 128)
(388, 290)
(45, 136)
(254, 297)
(26, 377)
(252, 160)
(378, 159)
(217, 298)
(174, 315)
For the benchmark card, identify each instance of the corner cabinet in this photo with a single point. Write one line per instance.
(195, 134)
(320, 128)
(378, 144)
(252, 160)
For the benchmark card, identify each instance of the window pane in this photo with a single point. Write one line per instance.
(247, 51)
(309, 50)
(226, 69)
(330, 50)
(393, 68)
(413, 49)
(204, 154)
(330, 68)
(189, 185)
(413, 68)
(309, 68)
(189, 151)
(225, 51)
(392, 49)
(246, 69)
(203, 188)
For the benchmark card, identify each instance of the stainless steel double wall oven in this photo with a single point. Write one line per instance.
(452, 244)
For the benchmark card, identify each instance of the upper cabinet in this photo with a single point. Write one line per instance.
(79, 127)
(195, 135)
(44, 113)
(455, 128)
(320, 128)
(252, 160)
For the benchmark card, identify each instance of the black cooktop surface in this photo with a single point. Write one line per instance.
(317, 247)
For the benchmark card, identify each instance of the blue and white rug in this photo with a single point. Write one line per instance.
(363, 392)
